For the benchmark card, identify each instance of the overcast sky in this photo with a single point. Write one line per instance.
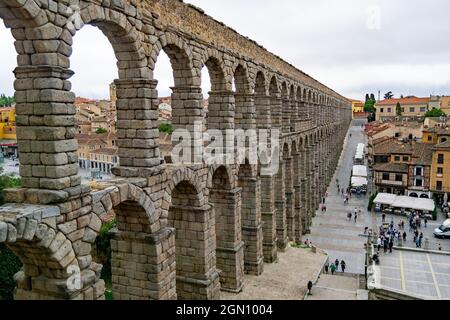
(353, 46)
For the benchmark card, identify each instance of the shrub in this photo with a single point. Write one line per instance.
(103, 251)
(166, 128)
(371, 200)
(9, 266)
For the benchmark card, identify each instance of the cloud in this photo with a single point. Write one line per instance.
(353, 46)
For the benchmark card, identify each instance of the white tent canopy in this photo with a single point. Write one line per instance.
(359, 182)
(405, 202)
(360, 171)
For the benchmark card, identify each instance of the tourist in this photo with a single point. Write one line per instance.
(425, 222)
(356, 216)
(379, 243)
(391, 245)
(349, 216)
(333, 268)
(310, 285)
(385, 245)
(383, 218)
(336, 263)
(343, 266)
(326, 268)
(404, 236)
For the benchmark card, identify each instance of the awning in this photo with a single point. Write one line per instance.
(360, 171)
(405, 202)
(359, 182)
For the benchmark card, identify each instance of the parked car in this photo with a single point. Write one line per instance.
(443, 231)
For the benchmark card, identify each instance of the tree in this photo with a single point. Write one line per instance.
(372, 97)
(398, 109)
(101, 130)
(388, 95)
(166, 128)
(435, 113)
(367, 97)
(6, 101)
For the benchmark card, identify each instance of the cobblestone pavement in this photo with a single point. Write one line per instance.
(332, 231)
(286, 279)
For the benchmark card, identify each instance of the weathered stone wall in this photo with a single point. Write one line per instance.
(184, 231)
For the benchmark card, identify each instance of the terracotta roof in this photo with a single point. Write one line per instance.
(392, 167)
(422, 154)
(80, 100)
(407, 100)
(392, 146)
(443, 145)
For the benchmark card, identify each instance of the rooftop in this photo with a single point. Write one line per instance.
(403, 101)
(392, 167)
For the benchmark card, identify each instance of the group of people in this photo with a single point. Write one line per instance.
(354, 215)
(334, 267)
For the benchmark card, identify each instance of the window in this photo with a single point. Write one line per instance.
(403, 109)
(423, 109)
(440, 171)
(430, 138)
(398, 177)
(418, 171)
(397, 134)
(389, 110)
(381, 110)
(386, 176)
(412, 109)
(405, 158)
(443, 140)
(419, 183)
(439, 185)
(397, 158)
(440, 158)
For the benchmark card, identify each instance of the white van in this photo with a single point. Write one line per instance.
(443, 231)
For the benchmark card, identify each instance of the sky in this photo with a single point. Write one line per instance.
(353, 46)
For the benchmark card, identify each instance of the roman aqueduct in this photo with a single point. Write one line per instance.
(184, 231)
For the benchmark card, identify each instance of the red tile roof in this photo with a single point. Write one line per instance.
(407, 100)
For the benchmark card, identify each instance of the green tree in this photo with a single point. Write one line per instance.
(435, 113)
(6, 101)
(101, 130)
(372, 97)
(166, 128)
(398, 109)
(388, 95)
(9, 263)
(367, 97)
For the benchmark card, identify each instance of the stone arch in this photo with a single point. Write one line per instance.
(260, 84)
(241, 79)
(274, 89)
(180, 56)
(214, 62)
(22, 14)
(48, 258)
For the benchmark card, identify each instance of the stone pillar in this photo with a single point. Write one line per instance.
(197, 275)
(143, 265)
(221, 113)
(230, 247)
(295, 116)
(245, 111)
(290, 197)
(187, 111)
(252, 231)
(46, 132)
(276, 111)
(268, 213)
(308, 187)
(280, 206)
(286, 115)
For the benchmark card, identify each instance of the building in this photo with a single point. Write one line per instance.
(403, 168)
(411, 107)
(97, 151)
(8, 136)
(358, 109)
(440, 176)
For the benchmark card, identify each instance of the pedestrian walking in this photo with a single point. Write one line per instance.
(385, 245)
(404, 236)
(326, 268)
(333, 268)
(383, 218)
(379, 243)
(349, 216)
(391, 245)
(310, 285)
(425, 222)
(336, 264)
(343, 266)
(356, 217)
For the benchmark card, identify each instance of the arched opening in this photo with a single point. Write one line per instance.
(280, 201)
(285, 108)
(226, 202)
(245, 110)
(252, 233)
(275, 104)
(414, 195)
(178, 94)
(195, 243)
(424, 196)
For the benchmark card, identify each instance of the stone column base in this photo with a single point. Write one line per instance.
(231, 261)
(253, 250)
(199, 289)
